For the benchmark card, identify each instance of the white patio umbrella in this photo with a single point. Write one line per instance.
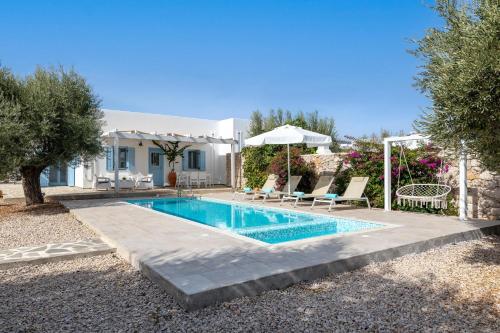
(287, 135)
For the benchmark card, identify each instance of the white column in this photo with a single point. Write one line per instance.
(288, 160)
(116, 145)
(462, 201)
(387, 175)
(95, 172)
(233, 167)
(212, 172)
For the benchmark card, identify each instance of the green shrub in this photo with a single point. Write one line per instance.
(257, 160)
(262, 161)
(298, 167)
(368, 161)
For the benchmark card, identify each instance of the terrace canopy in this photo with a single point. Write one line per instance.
(116, 135)
(288, 135)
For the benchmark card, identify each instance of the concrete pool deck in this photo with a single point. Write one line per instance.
(201, 266)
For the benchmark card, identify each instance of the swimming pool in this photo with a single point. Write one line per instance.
(269, 225)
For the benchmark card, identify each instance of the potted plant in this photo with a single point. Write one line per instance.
(171, 151)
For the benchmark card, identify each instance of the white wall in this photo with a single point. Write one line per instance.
(164, 124)
(230, 128)
(142, 158)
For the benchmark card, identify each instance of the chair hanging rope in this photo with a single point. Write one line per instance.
(421, 195)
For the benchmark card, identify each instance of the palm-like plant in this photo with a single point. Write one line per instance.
(171, 151)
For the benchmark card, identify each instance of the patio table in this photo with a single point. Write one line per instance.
(126, 184)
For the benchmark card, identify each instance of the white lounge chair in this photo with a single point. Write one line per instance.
(102, 183)
(269, 184)
(182, 179)
(354, 192)
(266, 193)
(199, 178)
(144, 182)
(320, 189)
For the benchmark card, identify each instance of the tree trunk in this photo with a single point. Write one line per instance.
(31, 185)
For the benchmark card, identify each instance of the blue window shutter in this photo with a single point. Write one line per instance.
(44, 177)
(202, 160)
(185, 160)
(71, 174)
(131, 158)
(109, 158)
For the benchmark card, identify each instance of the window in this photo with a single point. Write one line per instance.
(122, 158)
(155, 159)
(125, 158)
(194, 159)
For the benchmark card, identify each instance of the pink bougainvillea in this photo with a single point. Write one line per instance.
(424, 165)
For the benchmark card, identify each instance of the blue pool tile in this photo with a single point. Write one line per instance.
(268, 225)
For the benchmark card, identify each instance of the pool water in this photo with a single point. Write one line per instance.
(268, 225)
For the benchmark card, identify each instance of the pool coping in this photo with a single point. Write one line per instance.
(213, 267)
(283, 280)
(383, 225)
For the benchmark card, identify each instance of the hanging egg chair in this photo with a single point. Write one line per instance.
(421, 195)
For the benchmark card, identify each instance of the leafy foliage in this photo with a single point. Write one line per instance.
(257, 160)
(262, 161)
(461, 75)
(424, 163)
(171, 151)
(310, 121)
(279, 167)
(49, 117)
(376, 138)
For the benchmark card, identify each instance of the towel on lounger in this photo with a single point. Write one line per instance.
(331, 195)
(298, 194)
(247, 189)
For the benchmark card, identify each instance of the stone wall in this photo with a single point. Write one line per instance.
(483, 186)
(325, 163)
(240, 182)
(483, 190)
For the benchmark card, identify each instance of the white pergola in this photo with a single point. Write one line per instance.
(387, 173)
(116, 135)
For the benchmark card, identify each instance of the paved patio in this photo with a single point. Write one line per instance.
(15, 190)
(12, 192)
(200, 265)
(34, 255)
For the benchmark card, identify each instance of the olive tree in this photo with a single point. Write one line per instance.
(46, 118)
(461, 75)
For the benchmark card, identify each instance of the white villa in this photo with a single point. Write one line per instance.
(131, 135)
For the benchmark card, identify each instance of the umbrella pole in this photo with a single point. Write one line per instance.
(288, 155)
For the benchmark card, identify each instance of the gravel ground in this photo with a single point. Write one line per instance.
(16, 190)
(455, 288)
(38, 225)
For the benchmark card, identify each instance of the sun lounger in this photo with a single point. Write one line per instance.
(266, 193)
(354, 192)
(268, 185)
(320, 189)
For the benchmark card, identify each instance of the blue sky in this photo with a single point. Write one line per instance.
(220, 59)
